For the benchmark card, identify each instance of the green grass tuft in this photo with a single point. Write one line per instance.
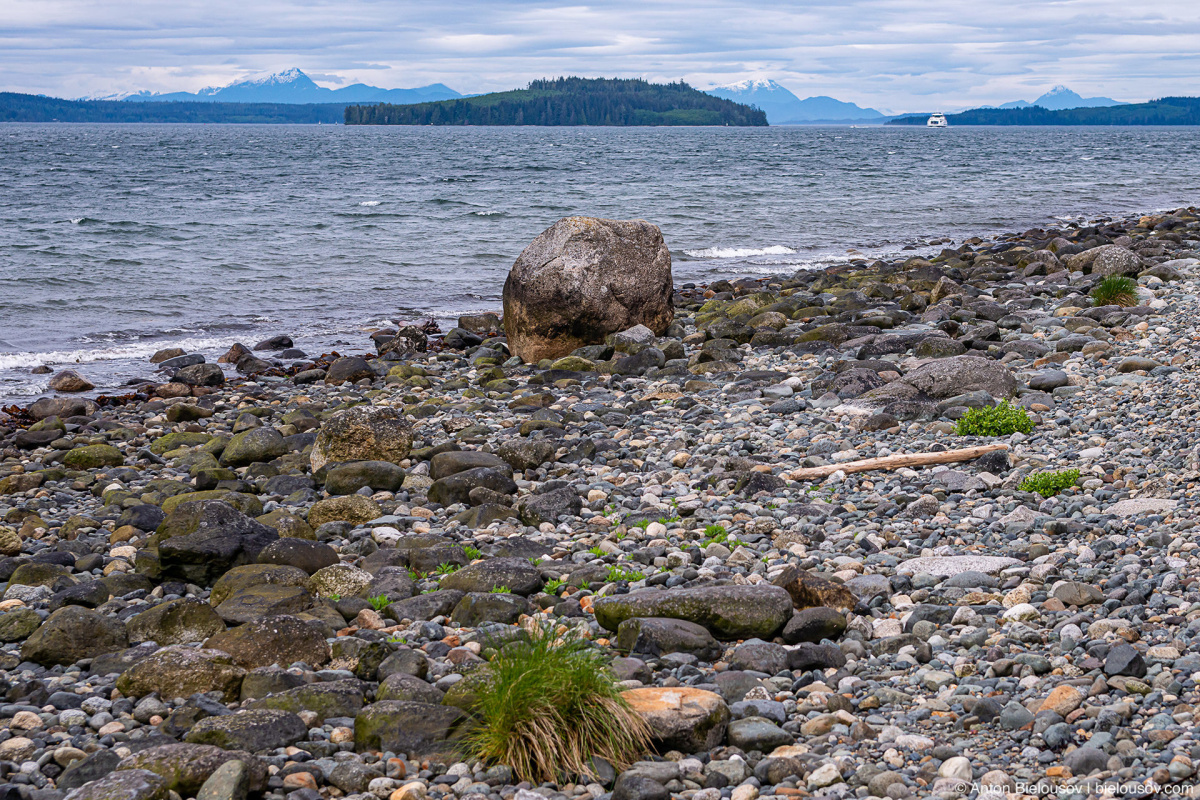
(551, 706)
(379, 602)
(473, 553)
(1048, 484)
(999, 420)
(555, 585)
(1115, 290)
(615, 574)
(447, 568)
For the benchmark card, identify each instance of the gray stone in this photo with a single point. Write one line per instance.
(582, 279)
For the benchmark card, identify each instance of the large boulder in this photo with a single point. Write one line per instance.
(515, 575)
(333, 699)
(181, 672)
(729, 612)
(185, 767)
(256, 444)
(401, 726)
(126, 784)
(1114, 260)
(278, 640)
(681, 718)
(363, 433)
(200, 540)
(175, 622)
(254, 730)
(658, 637)
(950, 377)
(72, 633)
(582, 279)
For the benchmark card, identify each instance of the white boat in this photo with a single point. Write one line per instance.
(937, 120)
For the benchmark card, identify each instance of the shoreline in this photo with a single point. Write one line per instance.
(942, 625)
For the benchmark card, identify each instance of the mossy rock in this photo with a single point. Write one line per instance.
(332, 699)
(94, 456)
(249, 575)
(574, 364)
(248, 504)
(353, 508)
(18, 624)
(288, 524)
(464, 694)
(175, 622)
(174, 441)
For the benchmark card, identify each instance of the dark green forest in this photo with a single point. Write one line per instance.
(35, 108)
(1166, 111)
(570, 101)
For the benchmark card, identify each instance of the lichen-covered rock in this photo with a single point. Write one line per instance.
(72, 633)
(181, 672)
(254, 730)
(352, 508)
(418, 729)
(185, 767)
(128, 784)
(363, 433)
(950, 377)
(176, 622)
(94, 456)
(582, 279)
(333, 699)
(729, 612)
(278, 640)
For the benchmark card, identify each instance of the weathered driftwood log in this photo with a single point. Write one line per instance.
(894, 462)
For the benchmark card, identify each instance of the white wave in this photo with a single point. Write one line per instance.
(739, 252)
(371, 203)
(487, 213)
(78, 220)
(115, 353)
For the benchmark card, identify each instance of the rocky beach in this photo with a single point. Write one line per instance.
(278, 574)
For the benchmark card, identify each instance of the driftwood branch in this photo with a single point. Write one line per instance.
(895, 462)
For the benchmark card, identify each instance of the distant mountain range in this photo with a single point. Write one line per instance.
(1061, 98)
(784, 108)
(290, 86)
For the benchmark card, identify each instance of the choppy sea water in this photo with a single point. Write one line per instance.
(117, 240)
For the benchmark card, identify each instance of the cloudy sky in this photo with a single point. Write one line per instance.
(887, 54)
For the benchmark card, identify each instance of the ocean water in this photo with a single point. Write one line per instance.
(117, 240)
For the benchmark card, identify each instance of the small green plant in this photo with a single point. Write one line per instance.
(415, 575)
(668, 520)
(549, 707)
(555, 585)
(446, 569)
(643, 524)
(473, 553)
(998, 420)
(1048, 484)
(615, 574)
(396, 638)
(379, 602)
(334, 597)
(596, 551)
(500, 590)
(715, 532)
(1115, 290)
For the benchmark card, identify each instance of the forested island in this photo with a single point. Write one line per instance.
(570, 101)
(36, 108)
(1165, 111)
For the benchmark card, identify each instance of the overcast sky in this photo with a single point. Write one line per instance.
(887, 54)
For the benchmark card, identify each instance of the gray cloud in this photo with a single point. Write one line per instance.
(884, 53)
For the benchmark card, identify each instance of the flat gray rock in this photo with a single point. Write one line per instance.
(949, 566)
(1140, 506)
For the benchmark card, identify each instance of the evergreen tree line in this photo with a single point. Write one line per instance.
(570, 101)
(1166, 111)
(16, 107)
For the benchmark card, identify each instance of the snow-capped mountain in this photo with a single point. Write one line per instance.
(1060, 98)
(784, 108)
(291, 86)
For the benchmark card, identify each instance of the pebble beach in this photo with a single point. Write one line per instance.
(283, 574)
